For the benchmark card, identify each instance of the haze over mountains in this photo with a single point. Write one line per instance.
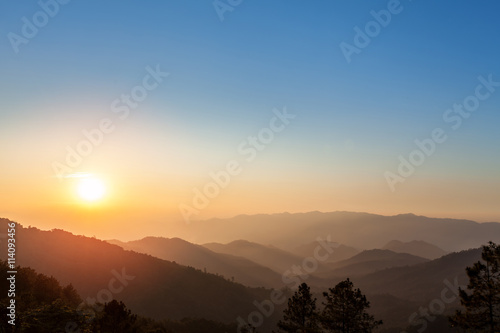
(358, 230)
(418, 248)
(151, 286)
(278, 260)
(175, 249)
(370, 261)
(341, 251)
(399, 276)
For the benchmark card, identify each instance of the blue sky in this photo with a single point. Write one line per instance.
(353, 119)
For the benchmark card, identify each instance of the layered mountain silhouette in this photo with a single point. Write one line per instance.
(149, 286)
(370, 261)
(435, 281)
(277, 259)
(417, 248)
(164, 278)
(240, 269)
(341, 252)
(359, 230)
(423, 281)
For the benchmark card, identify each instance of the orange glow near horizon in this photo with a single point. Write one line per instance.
(142, 195)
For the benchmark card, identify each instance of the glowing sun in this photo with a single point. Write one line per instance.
(91, 189)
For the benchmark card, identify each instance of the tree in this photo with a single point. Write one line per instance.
(345, 310)
(482, 300)
(70, 295)
(54, 317)
(116, 318)
(300, 315)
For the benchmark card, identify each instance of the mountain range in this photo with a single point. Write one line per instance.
(150, 286)
(239, 269)
(173, 278)
(418, 248)
(358, 230)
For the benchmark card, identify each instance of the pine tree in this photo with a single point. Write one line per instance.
(300, 315)
(482, 300)
(345, 310)
(116, 318)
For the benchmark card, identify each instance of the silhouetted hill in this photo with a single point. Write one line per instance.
(392, 310)
(434, 282)
(43, 305)
(360, 230)
(162, 289)
(417, 248)
(370, 261)
(272, 257)
(175, 249)
(149, 286)
(421, 282)
(341, 251)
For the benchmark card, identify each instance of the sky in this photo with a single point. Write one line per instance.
(188, 110)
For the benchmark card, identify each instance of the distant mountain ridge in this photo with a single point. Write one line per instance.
(341, 251)
(417, 248)
(370, 261)
(398, 283)
(269, 256)
(359, 230)
(420, 285)
(421, 282)
(241, 269)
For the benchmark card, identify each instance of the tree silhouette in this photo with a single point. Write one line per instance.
(345, 310)
(70, 295)
(300, 315)
(482, 304)
(50, 318)
(116, 318)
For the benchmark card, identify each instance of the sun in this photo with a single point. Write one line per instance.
(91, 189)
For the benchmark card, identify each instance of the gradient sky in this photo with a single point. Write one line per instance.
(352, 120)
